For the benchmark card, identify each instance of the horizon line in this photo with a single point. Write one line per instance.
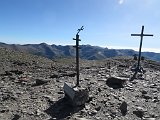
(156, 50)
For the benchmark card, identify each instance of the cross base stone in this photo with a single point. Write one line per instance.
(77, 96)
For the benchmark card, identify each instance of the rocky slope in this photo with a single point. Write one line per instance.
(31, 88)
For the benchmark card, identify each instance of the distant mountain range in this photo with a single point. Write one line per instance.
(86, 51)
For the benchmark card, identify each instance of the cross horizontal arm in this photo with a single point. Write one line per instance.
(135, 34)
(77, 39)
(141, 35)
(76, 47)
(147, 35)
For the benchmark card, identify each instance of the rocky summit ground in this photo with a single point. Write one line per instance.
(31, 88)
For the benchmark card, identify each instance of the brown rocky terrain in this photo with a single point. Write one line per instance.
(31, 88)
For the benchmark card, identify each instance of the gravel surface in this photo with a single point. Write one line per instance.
(31, 88)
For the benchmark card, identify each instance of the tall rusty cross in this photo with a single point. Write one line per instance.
(139, 57)
(77, 53)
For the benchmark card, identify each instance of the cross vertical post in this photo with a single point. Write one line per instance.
(77, 95)
(140, 47)
(77, 54)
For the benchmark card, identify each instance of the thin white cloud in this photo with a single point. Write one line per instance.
(156, 50)
(121, 2)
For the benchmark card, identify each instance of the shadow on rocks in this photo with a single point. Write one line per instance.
(39, 82)
(133, 77)
(16, 117)
(62, 109)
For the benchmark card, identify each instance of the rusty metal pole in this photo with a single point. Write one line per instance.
(77, 54)
(140, 47)
(77, 58)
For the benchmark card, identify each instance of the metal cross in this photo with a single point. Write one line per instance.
(77, 54)
(80, 29)
(139, 57)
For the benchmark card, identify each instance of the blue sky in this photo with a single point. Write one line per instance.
(107, 23)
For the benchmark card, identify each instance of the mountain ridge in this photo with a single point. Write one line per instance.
(88, 52)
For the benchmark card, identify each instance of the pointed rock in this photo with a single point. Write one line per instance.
(139, 112)
(123, 108)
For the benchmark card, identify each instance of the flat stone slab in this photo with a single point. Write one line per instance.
(77, 95)
(116, 82)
